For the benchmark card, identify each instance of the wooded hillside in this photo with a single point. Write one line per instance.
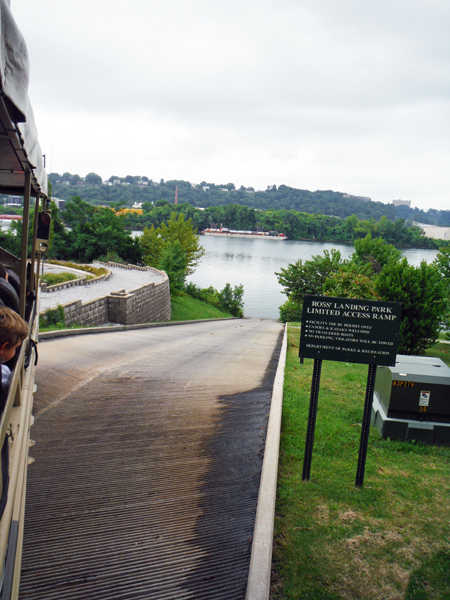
(133, 189)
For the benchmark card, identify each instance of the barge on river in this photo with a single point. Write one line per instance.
(234, 233)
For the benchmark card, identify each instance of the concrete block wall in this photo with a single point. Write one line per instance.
(147, 304)
(94, 312)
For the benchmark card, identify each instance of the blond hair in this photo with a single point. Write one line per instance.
(13, 329)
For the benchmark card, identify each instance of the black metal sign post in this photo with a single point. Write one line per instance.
(315, 384)
(365, 426)
(347, 330)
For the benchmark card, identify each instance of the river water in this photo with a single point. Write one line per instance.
(253, 263)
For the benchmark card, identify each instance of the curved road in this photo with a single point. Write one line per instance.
(148, 452)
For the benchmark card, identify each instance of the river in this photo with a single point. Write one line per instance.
(253, 263)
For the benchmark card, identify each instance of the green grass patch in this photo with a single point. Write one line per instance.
(55, 278)
(390, 539)
(441, 351)
(185, 308)
(95, 271)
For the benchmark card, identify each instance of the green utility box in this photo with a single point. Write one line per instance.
(412, 400)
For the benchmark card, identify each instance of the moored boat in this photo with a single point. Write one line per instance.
(224, 232)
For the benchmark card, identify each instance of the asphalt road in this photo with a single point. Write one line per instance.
(149, 446)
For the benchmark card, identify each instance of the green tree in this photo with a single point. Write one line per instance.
(93, 179)
(307, 278)
(423, 294)
(154, 241)
(374, 252)
(230, 300)
(442, 263)
(96, 232)
(58, 234)
(350, 282)
(173, 261)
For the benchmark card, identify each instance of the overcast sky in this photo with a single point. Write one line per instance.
(347, 95)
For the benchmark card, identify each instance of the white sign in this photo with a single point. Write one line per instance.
(424, 398)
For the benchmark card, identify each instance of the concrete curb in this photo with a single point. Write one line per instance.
(258, 586)
(49, 335)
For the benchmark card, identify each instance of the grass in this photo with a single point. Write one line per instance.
(388, 540)
(95, 271)
(185, 308)
(54, 278)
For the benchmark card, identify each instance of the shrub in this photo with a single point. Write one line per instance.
(425, 310)
(291, 310)
(53, 318)
(112, 257)
(228, 300)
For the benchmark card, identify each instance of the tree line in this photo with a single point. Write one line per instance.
(205, 194)
(296, 225)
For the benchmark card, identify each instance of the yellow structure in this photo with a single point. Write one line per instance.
(124, 211)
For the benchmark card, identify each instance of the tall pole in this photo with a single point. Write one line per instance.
(315, 384)
(24, 255)
(365, 426)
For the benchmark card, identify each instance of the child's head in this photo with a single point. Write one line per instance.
(13, 330)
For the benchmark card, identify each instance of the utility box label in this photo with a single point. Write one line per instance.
(424, 399)
(347, 330)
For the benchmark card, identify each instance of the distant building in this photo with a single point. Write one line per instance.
(402, 203)
(434, 232)
(205, 187)
(142, 182)
(14, 202)
(124, 211)
(59, 203)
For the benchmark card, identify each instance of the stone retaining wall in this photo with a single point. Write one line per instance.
(94, 312)
(147, 304)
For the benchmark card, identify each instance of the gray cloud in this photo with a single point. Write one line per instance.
(316, 94)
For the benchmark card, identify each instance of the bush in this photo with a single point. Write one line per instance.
(228, 300)
(425, 309)
(291, 310)
(112, 257)
(53, 318)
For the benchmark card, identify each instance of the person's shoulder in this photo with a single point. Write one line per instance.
(6, 375)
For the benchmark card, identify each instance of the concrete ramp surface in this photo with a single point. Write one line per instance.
(149, 446)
